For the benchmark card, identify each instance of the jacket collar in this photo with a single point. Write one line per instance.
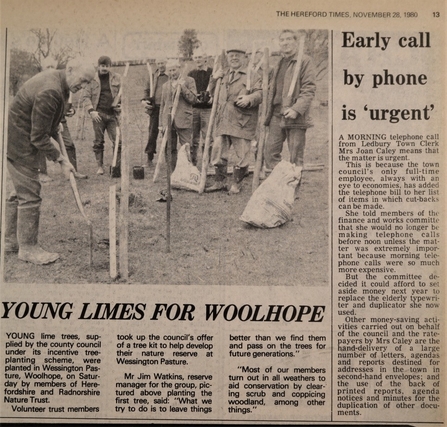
(292, 58)
(97, 76)
(237, 74)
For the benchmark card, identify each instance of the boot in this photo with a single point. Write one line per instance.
(27, 232)
(219, 179)
(11, 243)
(238, 176)
(148, 162)
(100, 161)
(78, 175)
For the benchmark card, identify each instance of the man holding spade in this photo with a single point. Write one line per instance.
(289, 101)
(236, 121)
(34, 118)
(185, 89)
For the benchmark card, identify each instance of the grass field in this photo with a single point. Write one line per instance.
(209, 244)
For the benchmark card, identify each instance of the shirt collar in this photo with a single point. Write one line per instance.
(238, 71)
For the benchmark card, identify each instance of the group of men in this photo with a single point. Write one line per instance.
(40, 106)
(237, 119)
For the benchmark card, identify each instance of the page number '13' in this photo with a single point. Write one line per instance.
(436, 14)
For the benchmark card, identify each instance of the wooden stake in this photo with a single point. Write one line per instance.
(205, 158)
(151, 80)
(112, 231)
(297, 69)
(250, 66)
(151, 95)
(83, 125)
(124, 201)
(263, 132)
(79, 113)
(117, 143)
(168, 179)
(124, 198)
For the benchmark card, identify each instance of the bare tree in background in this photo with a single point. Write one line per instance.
(317, 45)
(48, 44)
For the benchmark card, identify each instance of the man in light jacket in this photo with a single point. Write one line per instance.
(182, 119)
(236, 120)
(101, 103)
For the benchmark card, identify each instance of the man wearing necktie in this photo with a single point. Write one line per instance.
(182, 121)
(236, 120)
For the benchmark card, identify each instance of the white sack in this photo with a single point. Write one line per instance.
(186, 176)
(272, 202)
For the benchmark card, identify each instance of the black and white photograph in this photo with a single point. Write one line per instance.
(223, 212)
(255, 99)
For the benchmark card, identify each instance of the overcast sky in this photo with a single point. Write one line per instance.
(143, 44)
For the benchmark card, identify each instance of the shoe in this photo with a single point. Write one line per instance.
(238, 176)
(148, 163)
(217, 186)
(78, 175)
(220, 179)
(235, 189)
(100, 171)
(43, 177)
(36, 255)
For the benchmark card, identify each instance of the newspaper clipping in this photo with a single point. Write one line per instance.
(223, 212)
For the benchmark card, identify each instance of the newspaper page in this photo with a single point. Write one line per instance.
(311, 292)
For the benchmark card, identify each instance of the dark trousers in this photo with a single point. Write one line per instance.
(108, 123)
(296, 140)
(69, 144)
(200, 122)
(151, 147)
(182, 136)
(26, 185)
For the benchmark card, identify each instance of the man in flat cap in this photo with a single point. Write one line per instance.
(288, 117)
(151, 103)
(101, 103)
(182, 120)
(236, 120)
(34, 118)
